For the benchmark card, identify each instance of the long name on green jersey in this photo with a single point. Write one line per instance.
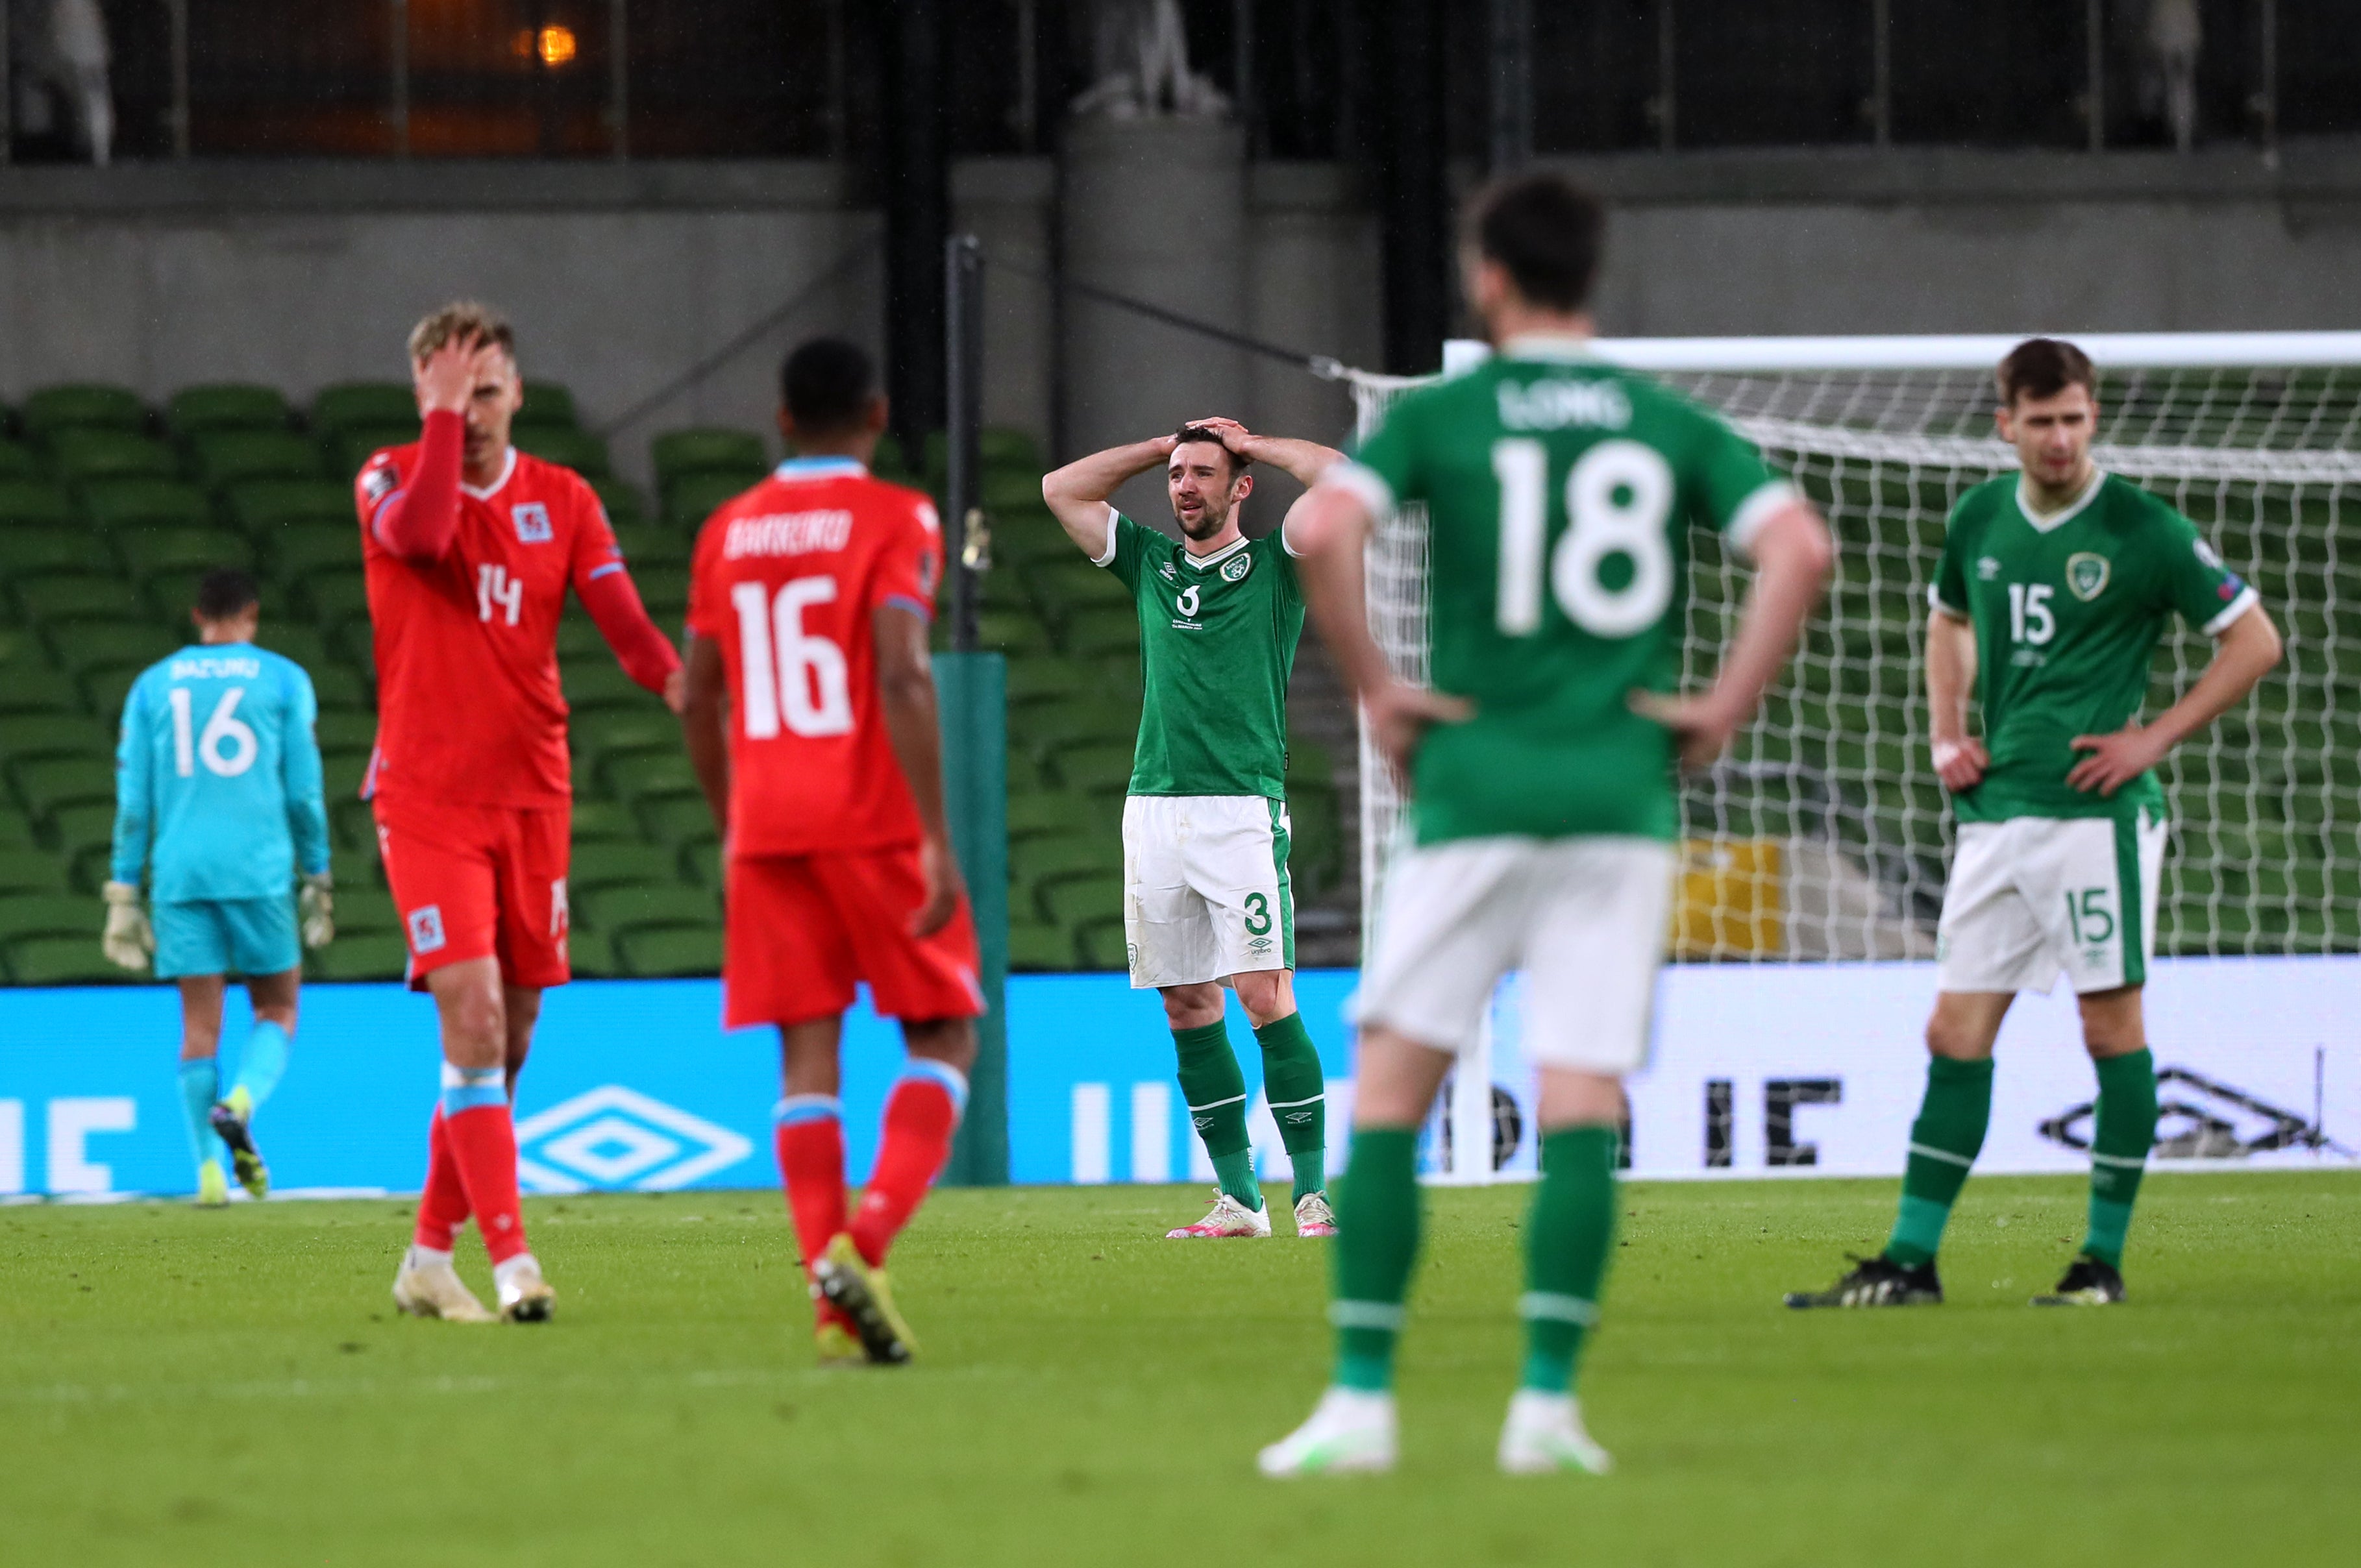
(2066, 611)
(1559, 493)
(1218, 636)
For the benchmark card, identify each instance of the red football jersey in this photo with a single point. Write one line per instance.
(786, 577)
(469, 705)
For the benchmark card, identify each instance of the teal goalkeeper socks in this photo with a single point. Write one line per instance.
(1215, 1091)
(1296, 1091)
(200, 1086)
(1944, 1142)
(263, 1062)
(2120, 1141)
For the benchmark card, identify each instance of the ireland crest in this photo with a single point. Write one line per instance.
(2086, 573)
(1236, 569)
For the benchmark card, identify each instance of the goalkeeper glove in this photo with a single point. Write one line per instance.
(317, 911)
(128, 939)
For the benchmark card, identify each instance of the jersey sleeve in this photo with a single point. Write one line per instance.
(1127, 547)
(706, 592)
(300, 772)
(134, 798)
(2197, 584)
(596, 556)
(1735, 489)
(1384, 471)
(910, 566)
(1948, 591)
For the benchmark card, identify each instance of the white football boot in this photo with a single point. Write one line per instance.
(1351, 1432)
(1229, 1218)
(428, 1286)
(1313, 1217)
(525, 1296)
(1543, 1434)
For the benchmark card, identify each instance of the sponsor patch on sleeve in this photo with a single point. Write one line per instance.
(378, 479)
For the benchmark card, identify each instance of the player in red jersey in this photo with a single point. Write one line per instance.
(811, 716)
(471, 547)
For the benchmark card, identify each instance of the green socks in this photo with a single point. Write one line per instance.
(1377, 1242)
(2119, 1147)
(1944, 1141)
(1216, 1092)
(1567, 1238)
(1297, 1091)
(199, 1085)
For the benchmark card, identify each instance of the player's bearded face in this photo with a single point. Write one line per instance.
(1200, 482)
(2052, 435)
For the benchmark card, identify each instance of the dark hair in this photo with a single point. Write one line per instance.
(1546, 231)
(826, 385)
(1190, 435)
(225, 592)
(2043, 367)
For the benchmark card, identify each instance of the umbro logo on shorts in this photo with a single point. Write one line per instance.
(1258, 945)
(425, 924)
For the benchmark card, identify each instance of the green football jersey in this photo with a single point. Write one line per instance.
(2066, 611)
(1559, 492)
(1217, 636)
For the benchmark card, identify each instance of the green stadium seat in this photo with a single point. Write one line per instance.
(355, 871)
(30, 502)
(1041, 866)
(1102, 945)
(86, 456)
(653, 775)
(563, 445)
(340, 686)
(346, 730)
(680, 822)
(84, 827)
(352, 404)
(355, 644)
(360, 956)
(601, 683)
(37, 688)
(226, 458)
(1001, 447)
(597, 821)
(1009, 491)
(367, 910)
(123, 506)
(1102, 633)
(34, 551)
(1094, 767)
(63, 960)
(335, 596)
(51, 915)
(693, 498)
(648, 904)
(546, 405)
(1012, 632)
(18, 461)
(578, 638)
(654, 955)
(26, 736)
(149, 550)
(1036, 946)
(1024, 775)
(625, 508)
(49, 786)
(707, 450)
(664, 590)
(264, 506)
(342, 772)
(86, 407)
(1081, 900)
(195, 411)
(591, 955)
(16, 831)
(58, 597)
(617, 865)
(349, 450)
(1070, 586)
(645, 546)
(603, 737)
(299, 550)
(1049, 679)
(24, 871)
(351, 824)
(83, 646)
(1029, 535)
(1048, 728)
(293, 640)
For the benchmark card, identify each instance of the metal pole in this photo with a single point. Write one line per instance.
(1666, 124)
(2094, 14)
(2267, 100)
(963, 423)
(401, 111)
(619, 77)
(1881, 24)
(179, 111)
(1512, 85)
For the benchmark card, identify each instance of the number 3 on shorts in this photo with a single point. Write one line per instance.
(1258, 914)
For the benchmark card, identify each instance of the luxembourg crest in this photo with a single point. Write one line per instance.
(1235, 569)
(2086, 573)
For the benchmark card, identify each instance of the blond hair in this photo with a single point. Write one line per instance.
(462, 319)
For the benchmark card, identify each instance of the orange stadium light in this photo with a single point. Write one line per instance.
(556, 46)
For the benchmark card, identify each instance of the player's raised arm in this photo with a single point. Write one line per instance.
(704, 724)
(1303, 461)
(2244, 651)
(420, 520)
(1078, 492)
(905, 691)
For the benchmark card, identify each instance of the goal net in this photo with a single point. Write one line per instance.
(1823, 835)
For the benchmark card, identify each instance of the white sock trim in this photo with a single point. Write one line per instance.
(425, 1257)
(1964, 1162)
(522, 1262)
(1366, 1315)
(1557, 1308)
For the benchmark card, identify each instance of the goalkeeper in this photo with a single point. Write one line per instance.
(218, 800)
(2055, 584)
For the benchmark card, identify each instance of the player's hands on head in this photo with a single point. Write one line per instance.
(1701, 726)
(1960, 762)
(2114, 760)
(1234, 437)
(1400, 715)
(445, 379)
(945, 887)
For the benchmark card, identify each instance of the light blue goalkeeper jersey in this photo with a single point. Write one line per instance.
(218, 784)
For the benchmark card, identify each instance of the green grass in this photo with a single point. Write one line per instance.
(235, 1387)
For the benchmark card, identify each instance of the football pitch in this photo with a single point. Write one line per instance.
(236, 1387)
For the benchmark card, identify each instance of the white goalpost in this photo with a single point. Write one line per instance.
(1823, 835)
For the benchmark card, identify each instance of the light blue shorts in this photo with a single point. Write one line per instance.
(225, 936)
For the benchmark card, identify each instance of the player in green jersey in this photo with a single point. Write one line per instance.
(1561, 492)
(2054, 587)
(1206, 900)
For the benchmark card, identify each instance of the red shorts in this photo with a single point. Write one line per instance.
(479, 882)
(803, 929)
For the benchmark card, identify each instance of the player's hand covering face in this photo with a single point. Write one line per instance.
(477, 380)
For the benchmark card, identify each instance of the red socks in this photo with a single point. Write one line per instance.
(442, 1207)
(920, 1117)
(481, 1136)
(810, 1142)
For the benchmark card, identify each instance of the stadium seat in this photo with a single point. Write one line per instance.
(600, 821)
(1012, 632)
(264, 506)
(590, 955)
(147, 550)
(85, 457)
(603, 737)
(1024, 775)
(676, 952)
(1000, 447)
(49, 914)
(647, 905)
(1046, 678)
(37, 688)
(1034, 945)
(1065, 587)
(625, 508)
(706, 450)
(646, 546)
(690, 499)
(352, 824)
(49, 784)
(1103, 632)
(346, 730)
(83, 646)
(367, 910)
(664, 590)
(1102, 944)
(29, 871)
(83, 827)
(340, 686)
(1027, 535)
(601, 683)
(342, 772)
(30, 502)
(335, 596)
(295, 640)
(616, 865)
(1041, 866)
(28, 736)
(31, 551)
(297, 550)
(18, 461)
(563, 445)
(195, 411)
(354, 404)
(355, 871)
(124, 506)
(63, 960)
(368, 955)
(226, 458)
(54, 409)
(348, 450)
(647, 776)
(1050, 814)
(1046, 728)
(1081, 900)
(1007, 491)
(578, 637)
(1102, 766)
(58, 597)
(355, 644)
(680, 821)
(547, 405)
(16, 828)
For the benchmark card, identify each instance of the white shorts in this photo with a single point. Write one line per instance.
(2034, 897)
(1585, 918)
(1205, 890)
